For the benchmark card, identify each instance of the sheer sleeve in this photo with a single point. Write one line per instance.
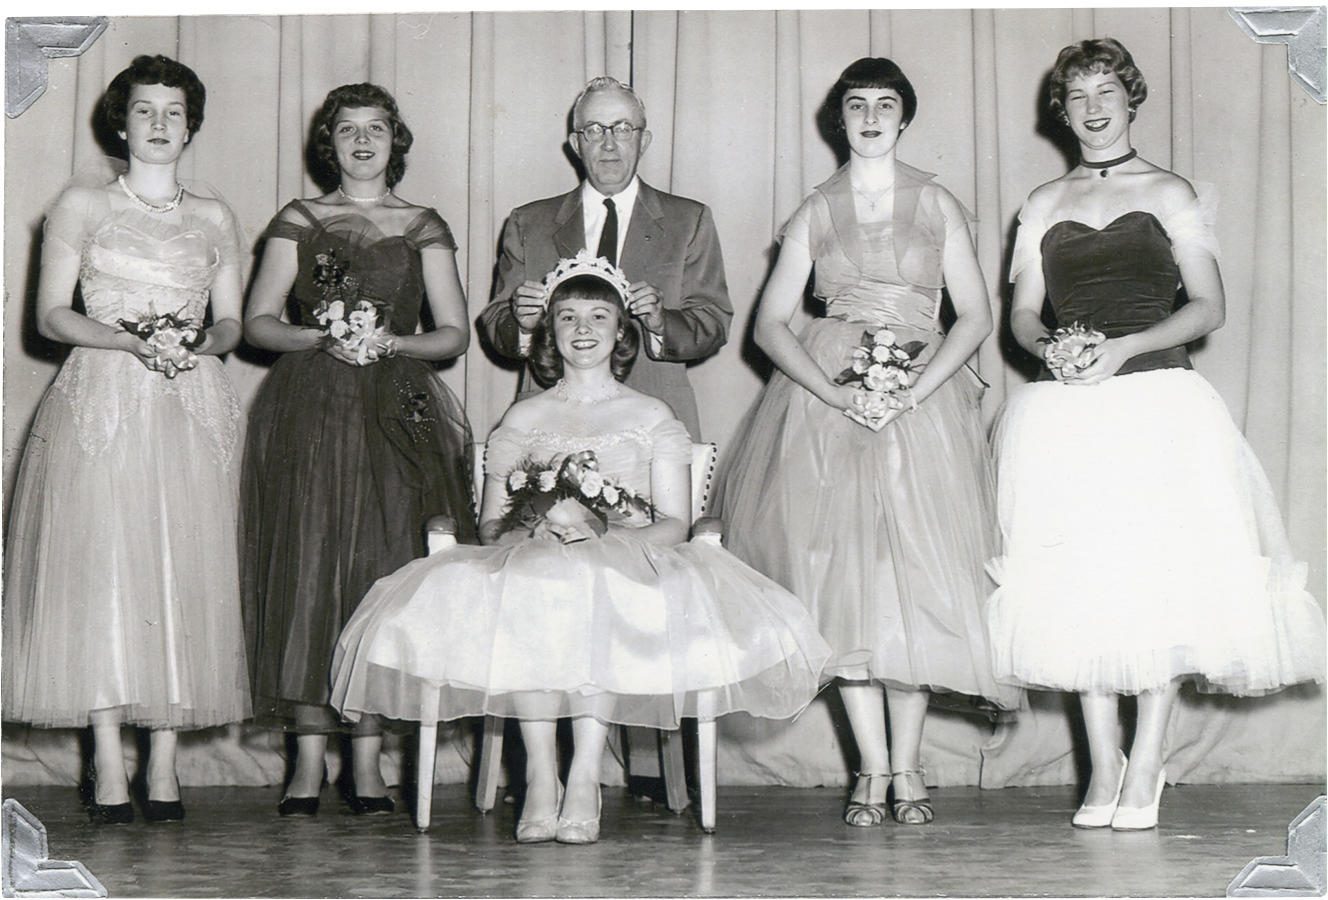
(798, 228)
(506, 448)
(291, 222)
(429, 230)
(954, 213)
(72, 218)
(1190, 224)
(1027, 242)
(228, 235)
(670, 443)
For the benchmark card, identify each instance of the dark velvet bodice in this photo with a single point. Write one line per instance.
(1119, 279)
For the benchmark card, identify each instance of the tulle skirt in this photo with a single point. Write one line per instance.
(615, 628)
(121, 579)
(882, 535)
(1142, 543)
(343, 466)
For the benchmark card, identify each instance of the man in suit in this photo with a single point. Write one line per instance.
(666, 245)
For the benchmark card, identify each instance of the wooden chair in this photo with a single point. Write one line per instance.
(442, 536)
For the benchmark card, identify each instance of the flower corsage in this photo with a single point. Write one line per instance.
(1069, 351)
(173, 337)
(884, 371)
(348, 320)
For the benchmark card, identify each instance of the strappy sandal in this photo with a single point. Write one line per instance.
(912, 811)
(865, 815)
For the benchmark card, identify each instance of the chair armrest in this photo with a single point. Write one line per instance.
(440, 533)
(708, 528)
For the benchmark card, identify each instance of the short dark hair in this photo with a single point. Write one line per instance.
(358, 96)
(1099, 55)
(545, 360)
(153, 70)
(872, 72)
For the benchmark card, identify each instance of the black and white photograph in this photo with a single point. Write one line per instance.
(665, 453)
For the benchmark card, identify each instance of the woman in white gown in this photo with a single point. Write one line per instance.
(1143, 545)
(564, 615)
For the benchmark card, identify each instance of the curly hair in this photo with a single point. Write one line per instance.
(153, 70)
(874, 72)
(547, 363)
(1099, 55)
(357, 96)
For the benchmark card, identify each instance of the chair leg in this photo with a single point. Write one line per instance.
(491, 762)
(673, 767)
(424, 774)
(707, 749)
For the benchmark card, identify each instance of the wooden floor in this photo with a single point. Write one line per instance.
(770, 842)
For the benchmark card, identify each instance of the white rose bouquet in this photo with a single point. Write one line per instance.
(564, 492)
(884, 371)
(173, 337)
(1069, 351)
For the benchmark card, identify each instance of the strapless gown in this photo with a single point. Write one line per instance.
(121, 580)
(1142, 540)
(882, 535)
(617, 628)
(343, 465)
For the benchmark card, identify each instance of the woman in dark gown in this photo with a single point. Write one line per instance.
(881, 530)
(1142, 542)
(348, 452)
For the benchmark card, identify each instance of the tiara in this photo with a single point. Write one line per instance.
(585, 263)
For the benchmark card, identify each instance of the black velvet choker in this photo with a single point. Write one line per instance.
(1108, 163)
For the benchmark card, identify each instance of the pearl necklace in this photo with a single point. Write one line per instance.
(586, 396)
(151, 207)
(867, 198)
(353, 199)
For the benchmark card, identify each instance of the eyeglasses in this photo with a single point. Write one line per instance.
(594, 132)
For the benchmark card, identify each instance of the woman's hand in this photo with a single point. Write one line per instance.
(1108, 357)
(140, 349)
(568, 521)
(337, 351)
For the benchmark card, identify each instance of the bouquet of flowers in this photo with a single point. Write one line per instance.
(1069, 351)
(538, 490)
(884, 371)
(172, 336)
(347, 319)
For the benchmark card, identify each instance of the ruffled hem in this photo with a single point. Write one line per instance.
(1143, 544)
(615, 628)
(883, 536)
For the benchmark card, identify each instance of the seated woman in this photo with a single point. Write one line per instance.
(561, 614)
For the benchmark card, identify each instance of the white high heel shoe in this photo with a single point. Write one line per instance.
(1140, 818)
(1101, 816)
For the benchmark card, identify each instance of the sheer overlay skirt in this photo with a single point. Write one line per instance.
(1142, 543)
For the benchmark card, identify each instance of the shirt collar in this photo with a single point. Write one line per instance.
(623, 200)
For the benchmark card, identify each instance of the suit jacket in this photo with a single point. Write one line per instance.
(671, 243)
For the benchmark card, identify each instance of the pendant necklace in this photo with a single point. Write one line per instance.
(353, 199)
(151, 207)
(1106, 164)
(597, 393)
(868, 198)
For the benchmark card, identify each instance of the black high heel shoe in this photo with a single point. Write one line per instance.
(298, 806)
(163, 810)
(111, 813)
(370, 806)
(103, 813)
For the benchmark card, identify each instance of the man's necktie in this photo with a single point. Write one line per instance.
(608, 238)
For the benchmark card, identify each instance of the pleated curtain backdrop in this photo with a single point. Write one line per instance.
(731, 98)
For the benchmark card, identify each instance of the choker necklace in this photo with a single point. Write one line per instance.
(151, 207)
(867, 198)
(593, 394)
(1106, 164)
(353, 199)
